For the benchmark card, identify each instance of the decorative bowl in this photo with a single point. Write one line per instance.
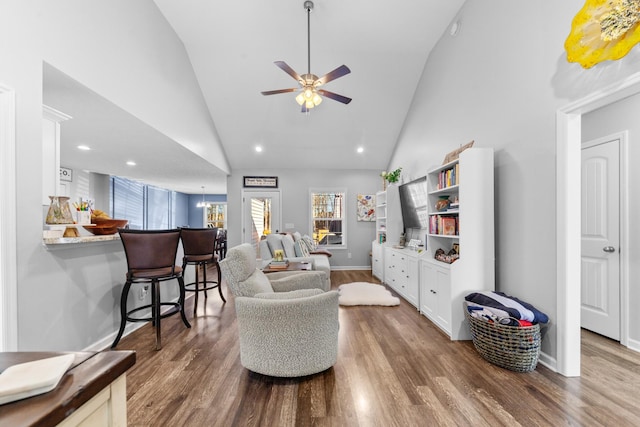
(104, 226)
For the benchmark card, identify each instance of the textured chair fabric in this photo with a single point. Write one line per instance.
(288, 324)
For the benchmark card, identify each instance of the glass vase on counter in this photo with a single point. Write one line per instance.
(59, 211)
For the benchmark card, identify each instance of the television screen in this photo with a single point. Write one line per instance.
(413, 203)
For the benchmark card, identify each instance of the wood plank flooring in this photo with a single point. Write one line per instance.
(394, 368)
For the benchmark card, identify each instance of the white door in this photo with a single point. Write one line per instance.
(261, 213)
(600, 257)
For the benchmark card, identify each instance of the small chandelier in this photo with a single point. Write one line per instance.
(202, 204)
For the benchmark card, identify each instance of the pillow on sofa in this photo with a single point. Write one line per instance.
(289, 246)
(311, 246)
(275, 243)
(301, 249)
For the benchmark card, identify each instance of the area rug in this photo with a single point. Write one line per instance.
(363, 293)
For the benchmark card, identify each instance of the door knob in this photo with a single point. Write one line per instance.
(609, 249)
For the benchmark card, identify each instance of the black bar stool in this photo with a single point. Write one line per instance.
(151, 257)
(221, 247)
(200, 247)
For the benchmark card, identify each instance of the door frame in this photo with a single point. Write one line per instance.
(623, 220)
(8, 241)
(249, 192)
(568, 211)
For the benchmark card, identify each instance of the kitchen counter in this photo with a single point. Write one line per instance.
(80, 239)
(94, 388)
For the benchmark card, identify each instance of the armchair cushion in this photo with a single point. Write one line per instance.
(299, 293)
(292, 280)
(254, 284)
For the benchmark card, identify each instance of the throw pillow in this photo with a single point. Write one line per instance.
(287, 243)
(275, 242)
(311, 246)
(301, 249)
(296, 236)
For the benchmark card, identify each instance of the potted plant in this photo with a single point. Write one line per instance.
(390, 177)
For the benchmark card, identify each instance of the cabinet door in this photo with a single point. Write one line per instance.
(443, 299)
(428, 290)
(377, 263)
(412, 285)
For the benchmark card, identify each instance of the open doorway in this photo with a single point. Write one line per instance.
(568, 232)
(261, 215)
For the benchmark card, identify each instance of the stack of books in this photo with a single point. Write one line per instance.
(279, 264)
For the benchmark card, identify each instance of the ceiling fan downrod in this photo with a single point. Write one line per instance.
(308, 5)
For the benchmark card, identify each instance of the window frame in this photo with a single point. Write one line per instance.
(342, 219)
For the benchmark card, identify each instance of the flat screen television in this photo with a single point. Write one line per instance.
(413, 203)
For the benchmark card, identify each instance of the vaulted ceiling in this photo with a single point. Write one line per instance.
(232, 46)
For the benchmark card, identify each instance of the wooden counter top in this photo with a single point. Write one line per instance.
(89, 374)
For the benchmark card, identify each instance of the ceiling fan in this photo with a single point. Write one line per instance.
(310, 92)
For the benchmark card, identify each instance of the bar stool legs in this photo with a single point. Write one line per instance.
(155, 306)
(206, 284)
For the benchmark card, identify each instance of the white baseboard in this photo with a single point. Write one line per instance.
(350, 267)
(105, 343)
(633, 345)
(548, 361)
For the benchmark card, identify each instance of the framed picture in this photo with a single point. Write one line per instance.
(260, 182)
(366, 207)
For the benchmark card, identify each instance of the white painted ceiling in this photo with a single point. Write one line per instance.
(232, 46)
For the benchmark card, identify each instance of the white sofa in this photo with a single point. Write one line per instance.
(293, 246)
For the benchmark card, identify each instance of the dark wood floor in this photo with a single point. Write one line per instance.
(394, 368)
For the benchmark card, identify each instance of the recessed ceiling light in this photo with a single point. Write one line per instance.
(258, 149)
(360, 150)
(84, 147)
(131, 163)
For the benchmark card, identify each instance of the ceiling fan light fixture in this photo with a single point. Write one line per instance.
(308, 96)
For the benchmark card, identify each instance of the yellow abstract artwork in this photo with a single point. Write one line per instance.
(603, 30)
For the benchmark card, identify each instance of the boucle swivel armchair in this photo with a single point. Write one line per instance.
(287, 321)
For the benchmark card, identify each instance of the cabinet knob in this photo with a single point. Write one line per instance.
(432, 291)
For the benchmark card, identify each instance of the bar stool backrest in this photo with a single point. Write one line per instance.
(199, 241)
(150, 249)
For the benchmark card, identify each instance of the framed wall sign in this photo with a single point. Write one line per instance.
(260, 182)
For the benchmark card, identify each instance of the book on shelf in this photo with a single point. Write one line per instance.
(448, 226)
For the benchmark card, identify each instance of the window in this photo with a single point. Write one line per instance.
(146, 207)
(328, 217)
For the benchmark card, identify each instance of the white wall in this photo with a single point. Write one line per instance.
(294, 185)
(68, 299)
(499, 82)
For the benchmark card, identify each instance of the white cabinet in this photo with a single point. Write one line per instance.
(401, 273)
(377, 261)
(468, 225)
(435, 294)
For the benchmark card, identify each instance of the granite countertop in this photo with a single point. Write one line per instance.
(80, 239)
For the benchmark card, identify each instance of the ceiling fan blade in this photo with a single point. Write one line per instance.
(332, 75)
(334, 96)
(284, 67)
(275, 92)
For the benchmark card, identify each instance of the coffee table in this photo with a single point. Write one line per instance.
(293, 266)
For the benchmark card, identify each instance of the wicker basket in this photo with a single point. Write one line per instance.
(516, 348)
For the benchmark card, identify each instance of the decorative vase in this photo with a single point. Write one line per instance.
(59, 211)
